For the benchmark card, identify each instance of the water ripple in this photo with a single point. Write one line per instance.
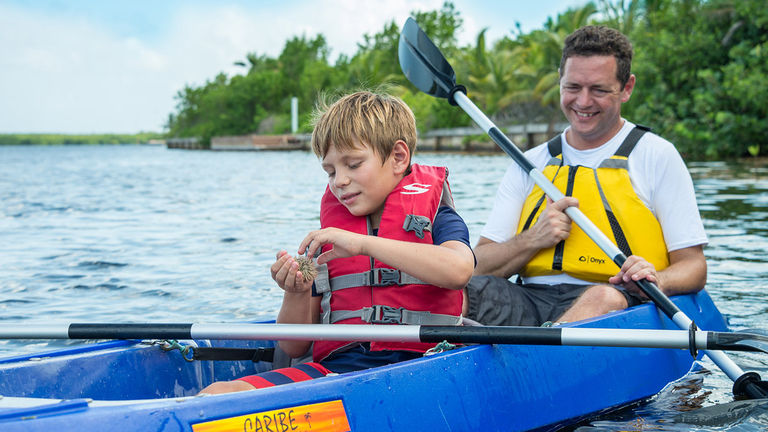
(133, 233)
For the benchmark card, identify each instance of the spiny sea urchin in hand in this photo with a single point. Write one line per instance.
(306, 267)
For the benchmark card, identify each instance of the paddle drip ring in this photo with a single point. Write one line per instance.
(692, 339)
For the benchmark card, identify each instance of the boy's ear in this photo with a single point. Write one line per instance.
(401, 157)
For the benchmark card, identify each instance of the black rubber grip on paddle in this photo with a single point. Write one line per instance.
(130, 331)
(652, 291)
(491, 335)
(509, 148)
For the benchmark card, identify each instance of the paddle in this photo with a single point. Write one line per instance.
(569, 336)
(425, 66)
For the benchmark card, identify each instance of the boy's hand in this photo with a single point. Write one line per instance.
(345, 244)
(285, 271)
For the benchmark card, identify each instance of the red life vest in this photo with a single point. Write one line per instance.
(362, 290)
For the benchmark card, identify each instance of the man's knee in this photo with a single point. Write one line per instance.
(608, 297)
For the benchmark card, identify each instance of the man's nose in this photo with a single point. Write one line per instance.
(584, 97)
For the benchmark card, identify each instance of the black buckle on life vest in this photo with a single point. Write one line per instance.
(417, 224)
(384, 277)
(386, 315)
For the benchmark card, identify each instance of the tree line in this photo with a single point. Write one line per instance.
(701, 67)
(58, 139)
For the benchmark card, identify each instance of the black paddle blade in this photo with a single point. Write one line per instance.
(423, 63)
(725, 414)
(746, 340)
(758, 341)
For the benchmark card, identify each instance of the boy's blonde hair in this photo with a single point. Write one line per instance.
(374, 119)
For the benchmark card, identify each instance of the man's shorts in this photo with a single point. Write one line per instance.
(497, 301)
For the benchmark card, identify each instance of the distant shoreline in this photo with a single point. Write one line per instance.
(79, 139)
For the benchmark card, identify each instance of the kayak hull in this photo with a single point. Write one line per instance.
(124, 385)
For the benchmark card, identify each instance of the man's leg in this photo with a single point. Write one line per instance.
(596, 300)
(491, 300)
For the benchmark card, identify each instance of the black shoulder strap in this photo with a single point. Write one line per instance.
(631, 140)
(555, 145)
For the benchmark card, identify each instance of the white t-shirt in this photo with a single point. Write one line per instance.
(658, 174)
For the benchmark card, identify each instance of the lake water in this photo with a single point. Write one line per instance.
(142, 233)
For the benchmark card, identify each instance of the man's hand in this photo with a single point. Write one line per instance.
(553, 225)
(634, 269)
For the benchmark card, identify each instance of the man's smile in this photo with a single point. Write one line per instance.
(584, 114)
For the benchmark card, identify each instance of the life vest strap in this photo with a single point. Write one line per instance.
(381, 314)
(378, 277)
(614, 163)
(631, 140)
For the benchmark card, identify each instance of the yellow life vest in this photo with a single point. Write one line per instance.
(607, 198)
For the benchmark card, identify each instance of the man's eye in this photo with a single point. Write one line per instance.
(354, 165)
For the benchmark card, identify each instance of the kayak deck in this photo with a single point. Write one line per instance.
(124, 385)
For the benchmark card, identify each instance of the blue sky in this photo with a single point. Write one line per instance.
(91, 66)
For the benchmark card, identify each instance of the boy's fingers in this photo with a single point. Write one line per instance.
(282, 257)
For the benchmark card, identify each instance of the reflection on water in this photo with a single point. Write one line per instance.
(733, 200)
(132, 233)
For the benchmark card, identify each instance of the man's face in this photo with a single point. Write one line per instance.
(591, 98)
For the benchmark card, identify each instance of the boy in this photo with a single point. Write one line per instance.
(395, 250)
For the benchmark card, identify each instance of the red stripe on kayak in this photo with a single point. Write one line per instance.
(256, 381)
(302, 372)
(315, 370)
(294, 374)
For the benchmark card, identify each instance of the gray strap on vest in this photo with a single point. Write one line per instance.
(614, 163)
(555, 162)
(378, 277)
(379, 314)
(322, 281)
(323, 286)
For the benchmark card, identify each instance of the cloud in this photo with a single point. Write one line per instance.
(74, 76)
(117, 69)
(72, 73)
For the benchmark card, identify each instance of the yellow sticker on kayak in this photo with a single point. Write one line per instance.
(322, 417)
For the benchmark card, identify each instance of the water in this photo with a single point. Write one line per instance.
(141, 233)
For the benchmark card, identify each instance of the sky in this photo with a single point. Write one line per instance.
(115, 66)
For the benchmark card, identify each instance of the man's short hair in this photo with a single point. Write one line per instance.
(600, 40)
(374, 119)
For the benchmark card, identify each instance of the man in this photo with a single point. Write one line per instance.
(631, 183)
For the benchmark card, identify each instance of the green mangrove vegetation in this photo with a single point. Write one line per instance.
(59, 139)
(701, 66)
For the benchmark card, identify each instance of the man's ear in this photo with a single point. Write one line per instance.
(626, 92)
(400, 156)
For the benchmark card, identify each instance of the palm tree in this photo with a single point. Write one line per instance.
(538, 59)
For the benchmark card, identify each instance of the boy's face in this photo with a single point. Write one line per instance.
(359, 180)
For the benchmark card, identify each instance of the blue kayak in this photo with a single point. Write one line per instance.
(135, 385)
